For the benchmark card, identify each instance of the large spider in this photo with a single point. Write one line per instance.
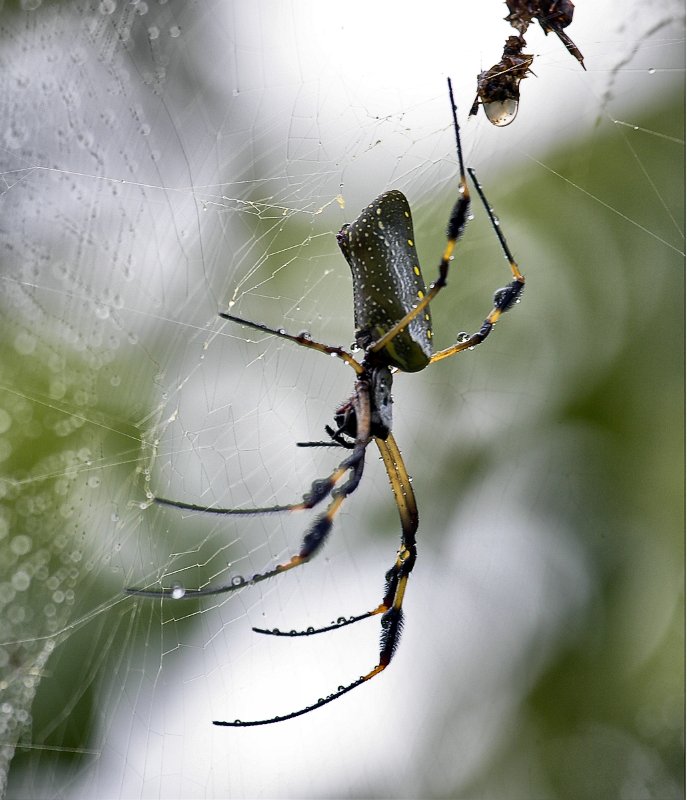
(393, 328)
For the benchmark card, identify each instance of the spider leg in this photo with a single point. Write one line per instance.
(407, 509)
(504, 298)
(336, 436)
(396, 581)
(301, 339)
(316, 535)
(456, 225)
(319, 489)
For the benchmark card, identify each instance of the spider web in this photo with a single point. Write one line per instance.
(162, 161)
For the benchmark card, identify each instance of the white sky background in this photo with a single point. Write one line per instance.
(301, 102)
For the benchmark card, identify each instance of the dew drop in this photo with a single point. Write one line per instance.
(501, 113)
(178, 591)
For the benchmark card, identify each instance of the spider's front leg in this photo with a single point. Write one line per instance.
(504, 298)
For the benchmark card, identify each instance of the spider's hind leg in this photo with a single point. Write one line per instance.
(318, 531)
(397, 576)
(396, 580)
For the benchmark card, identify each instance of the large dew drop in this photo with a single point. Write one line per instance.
(501, 113)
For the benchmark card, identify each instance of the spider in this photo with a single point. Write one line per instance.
(393, 329)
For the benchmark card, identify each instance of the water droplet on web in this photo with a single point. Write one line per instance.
(178, 591)
(501, 113)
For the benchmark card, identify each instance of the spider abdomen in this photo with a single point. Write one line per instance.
(387, 282)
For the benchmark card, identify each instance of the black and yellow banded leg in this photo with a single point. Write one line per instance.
(407, 509)
(504, 298)
(458, 219)
(396, 581)
(318, 531)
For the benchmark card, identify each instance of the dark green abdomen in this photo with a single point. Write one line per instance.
(387, 282)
